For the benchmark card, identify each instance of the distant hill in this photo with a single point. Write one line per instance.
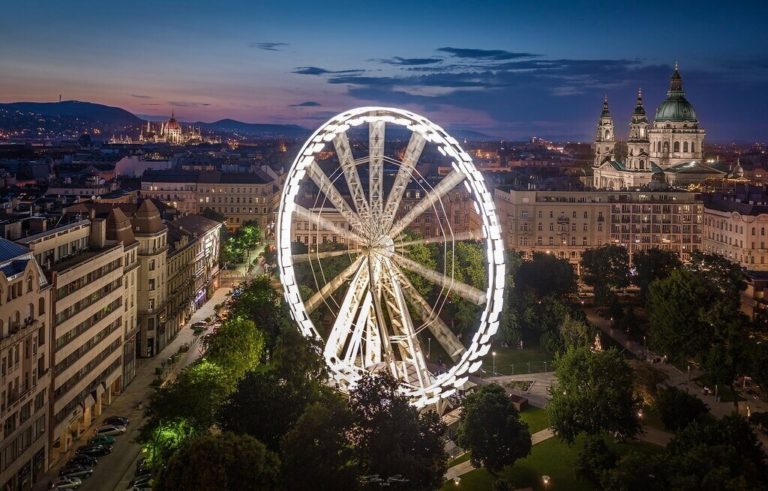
(253, 129)
(89, 111)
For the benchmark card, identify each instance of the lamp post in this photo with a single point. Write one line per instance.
(545, 479)
(494, 362)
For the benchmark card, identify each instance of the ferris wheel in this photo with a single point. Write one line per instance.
(377, 317)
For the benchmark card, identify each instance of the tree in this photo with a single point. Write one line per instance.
(594, 460)
(546, 275)
(164, 441)
(193, 397)
(717, 454)
(678, 409)
(677, 310)
(260, 301)
(593, 394)
(636, 471)
(391, 437)
(491, 429)
(316, 451)
(225, 461)
(728, 276)
(651, 265)
(265, 405)
(236, 347)
(605, 268)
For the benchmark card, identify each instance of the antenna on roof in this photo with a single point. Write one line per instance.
(59, 98)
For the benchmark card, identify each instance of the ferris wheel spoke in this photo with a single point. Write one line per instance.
(300, 258)
(461, 236)
(321, 221)
(349, 307)
(376, 171)
(329, 189)
(404, 173)
(439, 329)
(413, 364)
(434, 196)
(349, 168)
(327, 290)
(463, 290)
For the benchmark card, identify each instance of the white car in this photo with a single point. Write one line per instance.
(66, 483)
(111, 430)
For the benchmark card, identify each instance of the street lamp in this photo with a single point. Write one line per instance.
(494, 362)
(545, 480)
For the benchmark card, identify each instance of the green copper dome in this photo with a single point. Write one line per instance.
(676, 107)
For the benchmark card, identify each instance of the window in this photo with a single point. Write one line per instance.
(551, 241)
(585, 214)
(151, 264)
(151, 285)
(677, 146)
(685, 147)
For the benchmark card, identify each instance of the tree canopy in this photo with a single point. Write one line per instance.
(605, 269)
(224, 461)
(593, 393)
(491, 429)
(651, 265)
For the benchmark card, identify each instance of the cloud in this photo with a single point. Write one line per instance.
(313, 70)
(268, 46)
(306, 104)
(188, 104)
(485, 54)
(140, 96)
(400, 61)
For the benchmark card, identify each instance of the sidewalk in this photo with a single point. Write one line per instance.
(113, 467)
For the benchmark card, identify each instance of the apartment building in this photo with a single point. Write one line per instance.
(152, 235)
(193, 269)
(87, 275)
(566, 223)
(240, 197)
(25, 339)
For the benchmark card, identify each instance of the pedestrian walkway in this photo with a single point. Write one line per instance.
(106, 477)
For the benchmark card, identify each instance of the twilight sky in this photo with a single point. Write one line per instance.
(506, 68)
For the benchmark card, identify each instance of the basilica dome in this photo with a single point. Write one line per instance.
(676, 107)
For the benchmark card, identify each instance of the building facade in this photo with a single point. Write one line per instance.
(25, 339)
(566, 223)
(86, 272)
(240, 197)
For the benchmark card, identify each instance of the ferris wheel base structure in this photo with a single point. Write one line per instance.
(373, 329)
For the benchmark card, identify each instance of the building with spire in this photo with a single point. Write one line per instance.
(668, 152)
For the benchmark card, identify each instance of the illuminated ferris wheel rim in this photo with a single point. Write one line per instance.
(378, 231)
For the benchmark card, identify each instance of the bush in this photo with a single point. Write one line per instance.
(678, 408)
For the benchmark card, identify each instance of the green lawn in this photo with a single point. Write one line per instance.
(552, 458)
(459, 460)
(513, 361)
(536, 418)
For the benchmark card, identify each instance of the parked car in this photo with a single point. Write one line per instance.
(80, 471)
(199, 325)
(102, 440)
(111, 430)
(86, 460)
(141, 481)
(95, 450)
(116, 420)
(66, 483)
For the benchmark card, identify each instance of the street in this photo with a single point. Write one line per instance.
(115, 471)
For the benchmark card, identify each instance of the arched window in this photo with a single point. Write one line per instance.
(642, 164)
(607, 135)
(29, 284)
(666, 147)
(685, 147)
(677, 147)
(692, 147)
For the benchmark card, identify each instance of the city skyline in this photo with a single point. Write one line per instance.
(542, 73)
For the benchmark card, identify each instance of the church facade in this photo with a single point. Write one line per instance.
(667, 152)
